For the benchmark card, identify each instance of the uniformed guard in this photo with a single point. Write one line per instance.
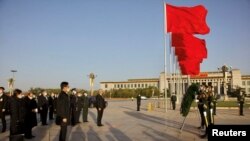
(241, 100)
(201, 101)
(208, 110)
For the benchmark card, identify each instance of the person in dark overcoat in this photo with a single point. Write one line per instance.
(79, 104)
(17, 116)
(73, 106)
(100, 106)
(138, 98)
(63, 110)
(43, 105)
(30, 116)
(3, 107)
(51, 106)
(85, 108)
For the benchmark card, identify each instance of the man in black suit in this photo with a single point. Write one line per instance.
(63, 110)
(100, 106)
(43, 105)
(3, 107)
(73, 106)
(51, 106)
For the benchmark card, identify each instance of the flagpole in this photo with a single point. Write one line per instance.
(165, 55)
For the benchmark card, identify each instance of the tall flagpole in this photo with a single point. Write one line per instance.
(165, 55)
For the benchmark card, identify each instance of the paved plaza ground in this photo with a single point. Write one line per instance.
(123, 123)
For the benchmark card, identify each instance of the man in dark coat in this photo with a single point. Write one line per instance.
(3, 107)
(138, 102)
(30, 116)
(173, 101)
(241, 100)
(100, 106)
(43, 105)
(51, 106)
(17, 116)
(85, 108)
(73, 106)
(63, 110)
(79, 104)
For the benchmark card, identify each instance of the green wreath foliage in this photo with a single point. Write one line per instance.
(188, 99)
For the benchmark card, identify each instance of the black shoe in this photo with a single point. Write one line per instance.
(28, 137)
(203, 136)
(33, 136)
(3, 130)
(85, 121)
(100, 125)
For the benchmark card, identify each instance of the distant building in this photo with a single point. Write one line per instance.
(215, 79)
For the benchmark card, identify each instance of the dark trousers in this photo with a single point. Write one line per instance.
(3, 123)
(85, 114)
(138, 107)
(78, 112)
(73, 117)
(63, 133)
(51, 113)
(99, 116)
(241, 108)
(201, 110)
(44, 114)
(214, 108)
(173, 105)
(27, 132)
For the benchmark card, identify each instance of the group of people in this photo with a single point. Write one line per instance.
(66, 106)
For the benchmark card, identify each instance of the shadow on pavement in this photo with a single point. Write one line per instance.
(161, 121)
(118, 134)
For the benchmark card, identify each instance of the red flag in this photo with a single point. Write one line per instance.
(190, 67)
(188, 46)
(187, 19)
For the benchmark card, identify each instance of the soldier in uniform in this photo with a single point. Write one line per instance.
(3, 107)
(208, 110)
(85, 108)
(173, 100)
(73, 106)
(241, 100)
(201, 101)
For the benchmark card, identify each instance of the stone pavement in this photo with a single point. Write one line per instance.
(123, 123)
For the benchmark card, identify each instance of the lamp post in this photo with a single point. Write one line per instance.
(92, 77)
(224, 70)
(11, 82)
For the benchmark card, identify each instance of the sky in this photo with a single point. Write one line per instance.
(50, 41)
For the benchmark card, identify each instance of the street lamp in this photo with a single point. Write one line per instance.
(224, 70)
(11, 82)
(92, 77)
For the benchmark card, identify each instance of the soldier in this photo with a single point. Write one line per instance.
(43, 105)
(138, 102)
(85, 108)
(208, 111)
(173, 100)
(3, 107)
(100, 106)
(241, 100)
(201, 101)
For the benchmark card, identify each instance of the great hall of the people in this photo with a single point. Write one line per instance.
(233, 79)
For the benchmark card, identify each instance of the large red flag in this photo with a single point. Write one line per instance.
(190, 67)
(186, 19)
(186, 45)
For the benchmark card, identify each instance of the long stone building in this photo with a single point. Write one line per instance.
(233, 79)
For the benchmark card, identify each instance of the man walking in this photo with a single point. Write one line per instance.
(100, 105)
(173, 100)
(63, 110)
